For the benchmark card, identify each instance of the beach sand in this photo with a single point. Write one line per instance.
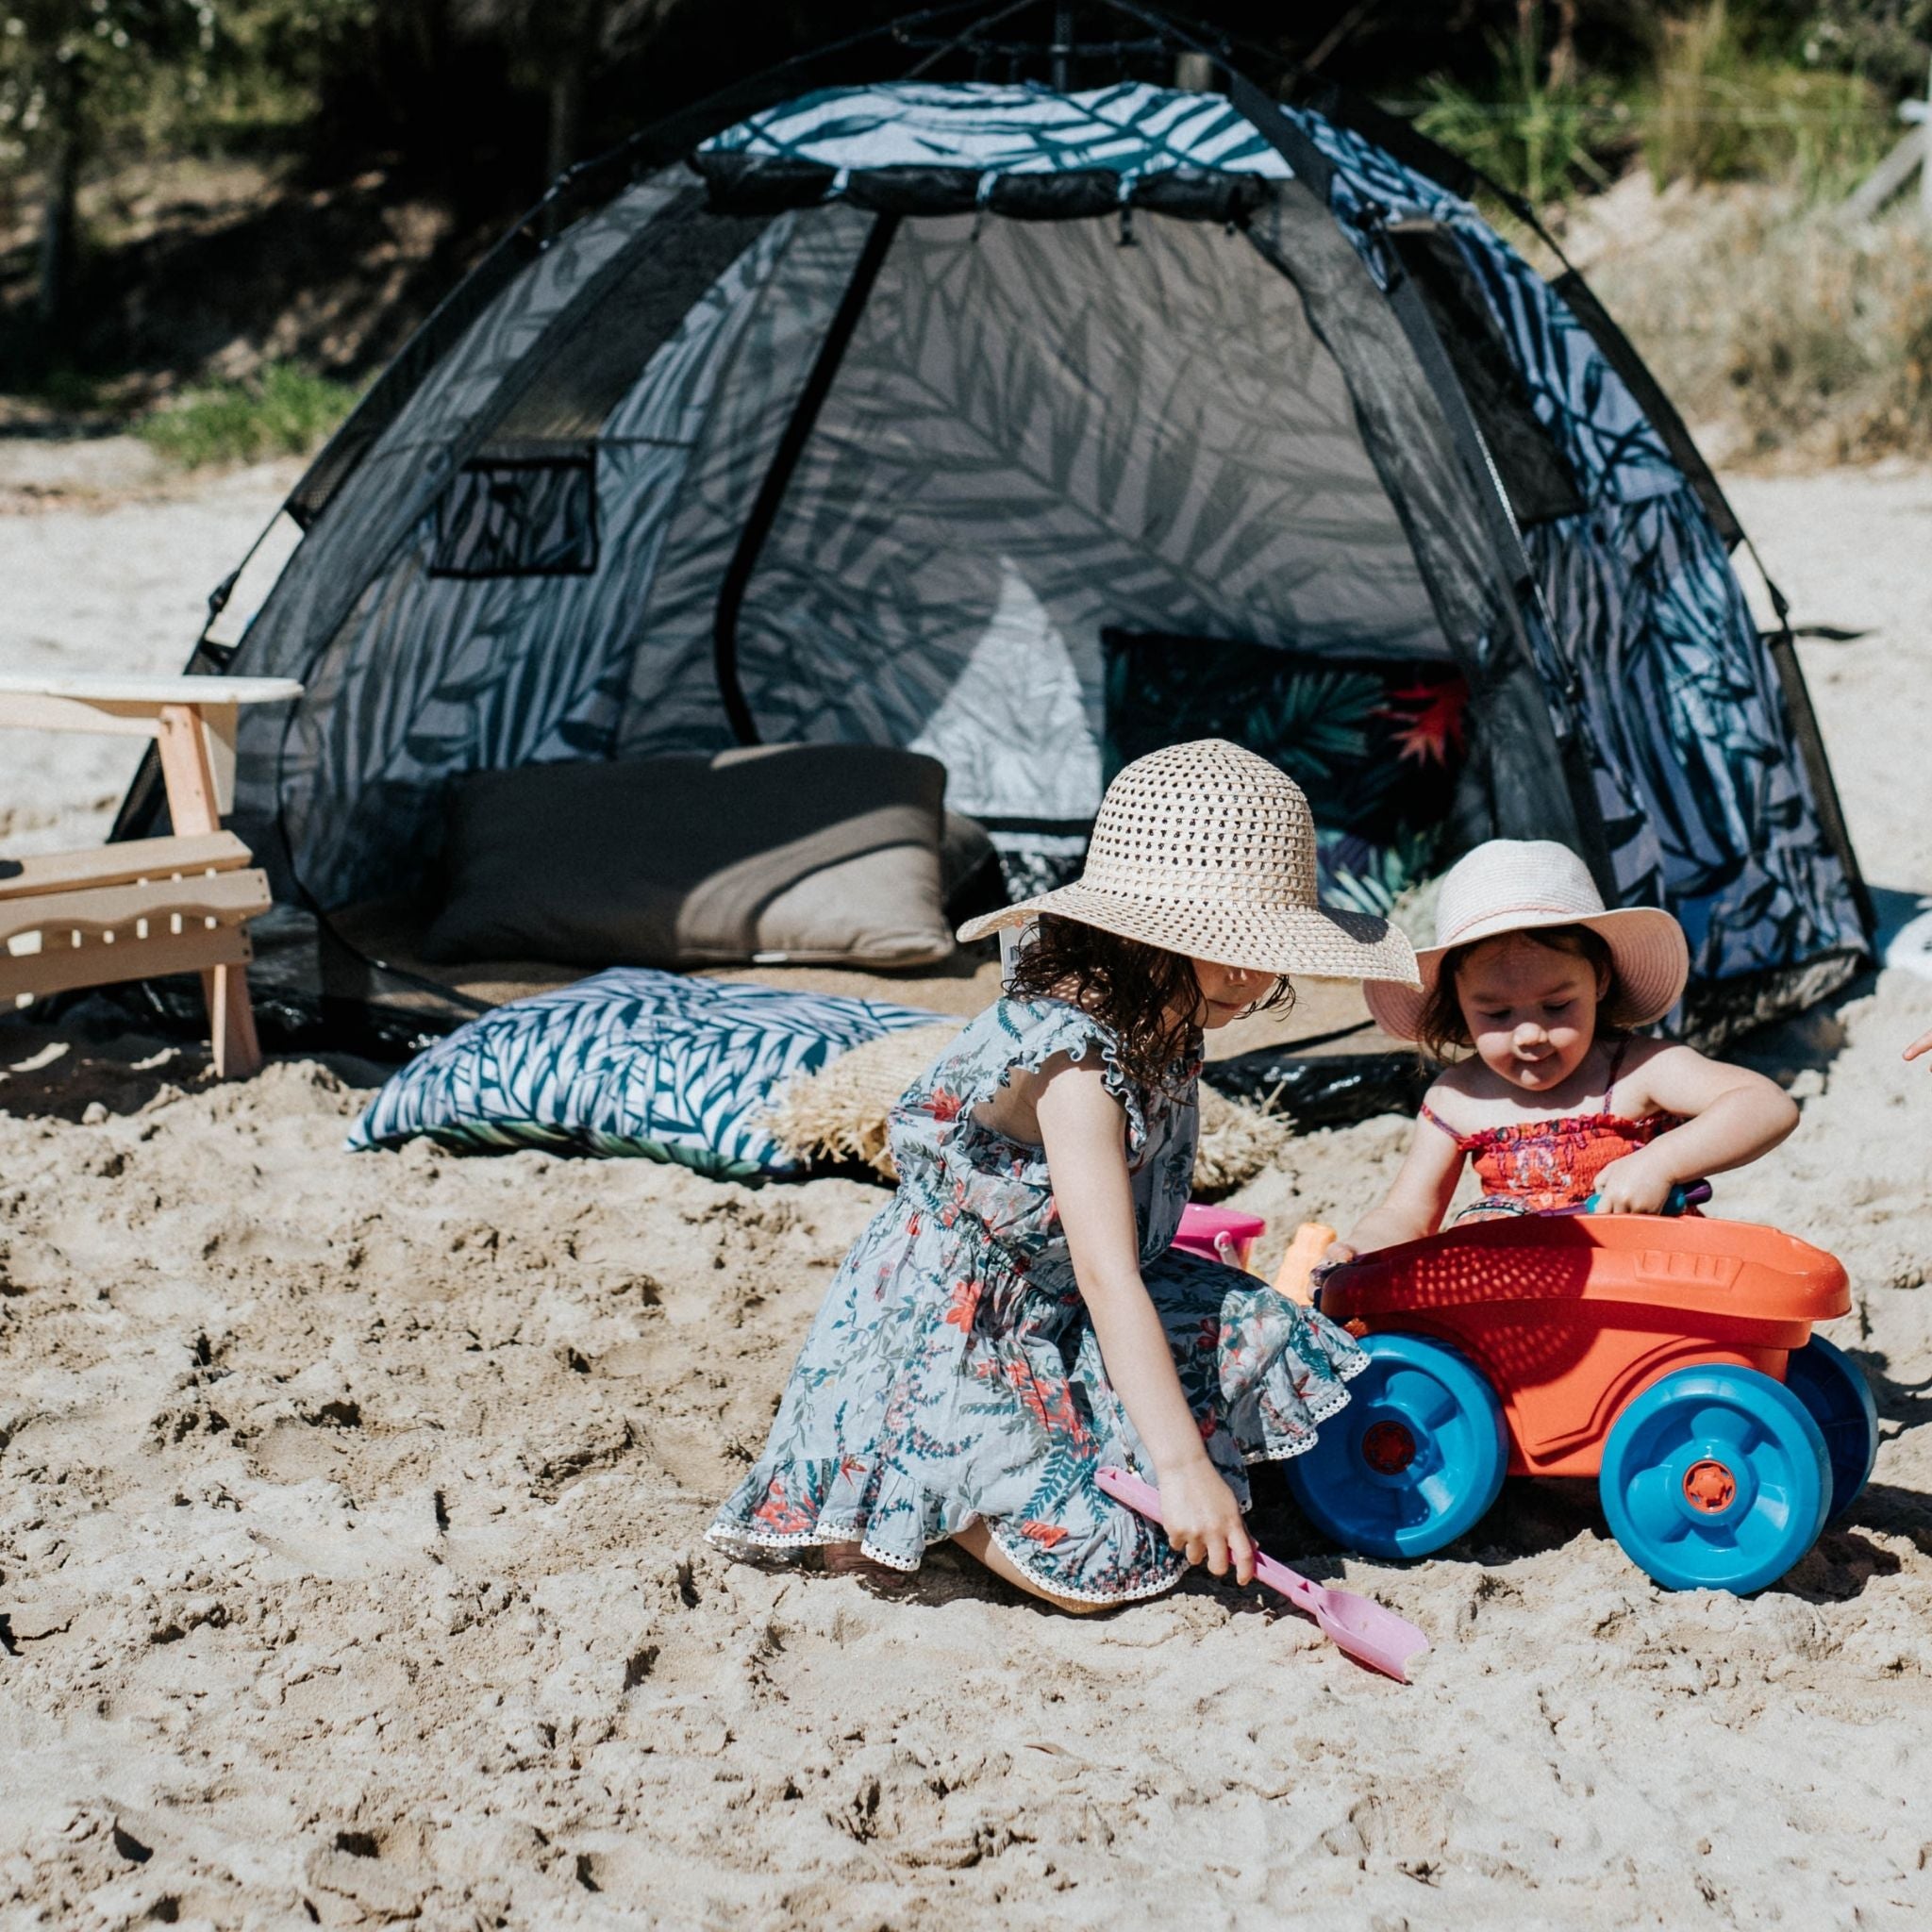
(351, 1508)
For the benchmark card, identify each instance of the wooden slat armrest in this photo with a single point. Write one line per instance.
(227, 897)
(121, 864)
(136, 707)
(198, 950)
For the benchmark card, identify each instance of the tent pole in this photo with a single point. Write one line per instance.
(1505, 539)
(771, 497)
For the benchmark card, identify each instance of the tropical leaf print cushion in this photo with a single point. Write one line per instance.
(632, 1061)
(1378, 744)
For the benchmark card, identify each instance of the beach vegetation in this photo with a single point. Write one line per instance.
(190, 189)
(283, 409)
(1714, 109)
(1539, 130)
(1781, 332)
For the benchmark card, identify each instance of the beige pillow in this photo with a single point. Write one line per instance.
(824, 854)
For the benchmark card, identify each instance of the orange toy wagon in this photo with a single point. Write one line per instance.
(1670, 1358)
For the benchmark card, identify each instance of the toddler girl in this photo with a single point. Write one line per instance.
(1555, 1102)
(1014, 1318)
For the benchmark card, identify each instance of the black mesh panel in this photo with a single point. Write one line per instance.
(1533, 471)
(520, 512)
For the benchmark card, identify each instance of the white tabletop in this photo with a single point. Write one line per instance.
(156, 691)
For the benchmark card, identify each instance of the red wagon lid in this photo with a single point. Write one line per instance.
(1736, 1268)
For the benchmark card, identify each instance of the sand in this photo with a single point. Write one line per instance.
(108, 559)
(351, 1510)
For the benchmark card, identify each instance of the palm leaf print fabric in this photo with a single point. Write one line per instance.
(952, 1376)
(1040, 428)
(1129, 130)
(1701, 786)
(1377, 747)
(631, 1062)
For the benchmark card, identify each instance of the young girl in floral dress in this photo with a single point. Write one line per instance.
(1015, 1319)
(1529, 990)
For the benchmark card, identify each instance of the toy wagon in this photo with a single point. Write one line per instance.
(1671, 1360)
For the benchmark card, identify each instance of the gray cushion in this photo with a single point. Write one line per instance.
(969, 868)
(826, 854)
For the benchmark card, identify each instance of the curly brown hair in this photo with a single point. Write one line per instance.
(1132, 987)
(1442, 1032)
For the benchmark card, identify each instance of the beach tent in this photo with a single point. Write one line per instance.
(858, 403)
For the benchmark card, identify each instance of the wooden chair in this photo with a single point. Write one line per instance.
(145, 907)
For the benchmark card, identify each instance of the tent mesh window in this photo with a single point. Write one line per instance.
(521, 513)
(1532, 470)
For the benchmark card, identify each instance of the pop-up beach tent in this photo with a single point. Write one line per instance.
(859, 404)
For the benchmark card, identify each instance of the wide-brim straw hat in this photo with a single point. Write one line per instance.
(1207, 850)
(1520, 885)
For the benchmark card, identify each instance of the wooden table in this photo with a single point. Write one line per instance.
(145, 907)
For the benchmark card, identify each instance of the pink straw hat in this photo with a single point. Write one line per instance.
(1518, 885)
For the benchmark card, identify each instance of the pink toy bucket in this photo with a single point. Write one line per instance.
(1220, 1234)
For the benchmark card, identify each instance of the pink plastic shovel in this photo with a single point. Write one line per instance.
(1363, 1628)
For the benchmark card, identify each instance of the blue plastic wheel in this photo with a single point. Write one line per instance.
(1414, 1460)
(1715, 1478)
(1832, 1388)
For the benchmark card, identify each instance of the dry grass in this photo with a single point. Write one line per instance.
(838, 1113)
(1781, 334)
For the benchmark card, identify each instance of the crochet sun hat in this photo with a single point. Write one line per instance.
(1518, 885)
(1207, 850)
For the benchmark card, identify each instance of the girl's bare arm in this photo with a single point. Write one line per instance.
(1732, 1116)
(1083, 1129)
(1415, 1204)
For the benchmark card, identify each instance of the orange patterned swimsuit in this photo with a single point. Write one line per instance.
(1539, 1165)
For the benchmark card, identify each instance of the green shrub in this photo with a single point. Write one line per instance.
(69, 391)
(283, 410)
(1544, 137)
(1716, 112)
(1717, 105)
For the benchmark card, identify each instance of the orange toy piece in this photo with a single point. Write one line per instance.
(1295, 1278)
(1569, 1318)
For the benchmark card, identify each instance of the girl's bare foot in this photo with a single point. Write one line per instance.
(849, 1560)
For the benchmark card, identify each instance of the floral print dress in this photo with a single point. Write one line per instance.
(1538, 1167)
(953, 1372)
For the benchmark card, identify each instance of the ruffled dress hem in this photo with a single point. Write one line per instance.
(1319, 1409)
(813, 1539)
(952, 1368)
(1138, 1594)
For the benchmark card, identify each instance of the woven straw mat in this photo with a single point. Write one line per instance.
(838, 1113)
